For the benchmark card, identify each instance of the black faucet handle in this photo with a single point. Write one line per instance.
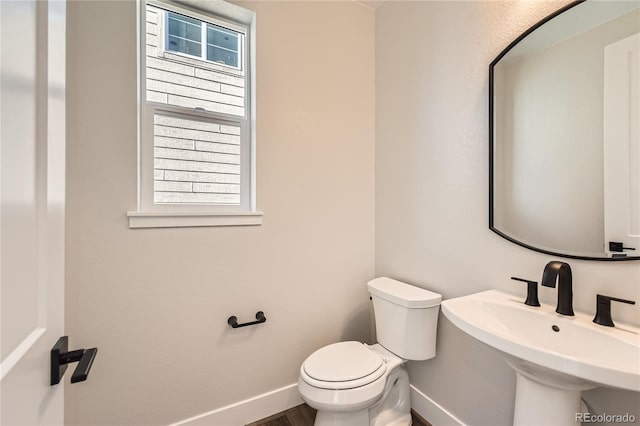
(532, 291)
(603, 309)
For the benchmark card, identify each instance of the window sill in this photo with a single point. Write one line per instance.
(178, 220)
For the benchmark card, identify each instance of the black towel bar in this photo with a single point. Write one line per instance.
(233, 320)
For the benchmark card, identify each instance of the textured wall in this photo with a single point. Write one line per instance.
(432, 63)
(155, 301)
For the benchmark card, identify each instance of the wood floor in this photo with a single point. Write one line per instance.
(303, 415)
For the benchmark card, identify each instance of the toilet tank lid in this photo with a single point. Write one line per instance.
(403, 294)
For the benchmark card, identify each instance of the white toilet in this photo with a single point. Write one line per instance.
(354, 384)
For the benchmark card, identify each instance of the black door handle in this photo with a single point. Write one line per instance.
(618, 247)
(84, 366)
(61, 357)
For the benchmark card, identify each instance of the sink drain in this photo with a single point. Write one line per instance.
(555, 328)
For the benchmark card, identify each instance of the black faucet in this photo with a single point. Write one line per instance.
(560, 272)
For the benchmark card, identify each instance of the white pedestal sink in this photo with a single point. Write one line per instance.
(555, 356)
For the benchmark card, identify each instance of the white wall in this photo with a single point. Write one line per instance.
(432, 61)
(155, 301)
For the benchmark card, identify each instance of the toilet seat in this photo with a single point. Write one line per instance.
(343, 365)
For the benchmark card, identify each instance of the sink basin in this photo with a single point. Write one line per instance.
(555, 356)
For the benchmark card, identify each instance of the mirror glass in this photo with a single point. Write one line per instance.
(564, 134)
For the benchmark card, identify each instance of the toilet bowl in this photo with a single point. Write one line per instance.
(357, 383)
(354, 384)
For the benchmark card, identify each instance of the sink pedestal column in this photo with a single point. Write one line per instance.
(542, 399)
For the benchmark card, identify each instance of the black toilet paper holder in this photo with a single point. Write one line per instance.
(233, 320)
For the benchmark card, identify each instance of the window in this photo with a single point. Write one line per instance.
(187, 35)
(184, 34)
(223, 46)
(196, 139)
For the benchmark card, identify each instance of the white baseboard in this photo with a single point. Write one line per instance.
(431, 411)
(267, 404)
(249, 410)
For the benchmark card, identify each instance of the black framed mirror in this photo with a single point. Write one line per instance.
(564, 139)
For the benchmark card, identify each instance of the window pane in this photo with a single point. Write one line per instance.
(195, 161)
(185, 34)
(215, 54)
(185, 27)
(184, 46)
(222, 45)
(218, 36)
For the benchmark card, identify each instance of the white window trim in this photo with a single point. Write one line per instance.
(150, 215)
(176, 220)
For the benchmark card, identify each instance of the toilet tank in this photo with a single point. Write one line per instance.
(406, 318)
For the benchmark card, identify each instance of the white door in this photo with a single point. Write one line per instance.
(622, 144)
(32, 197)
